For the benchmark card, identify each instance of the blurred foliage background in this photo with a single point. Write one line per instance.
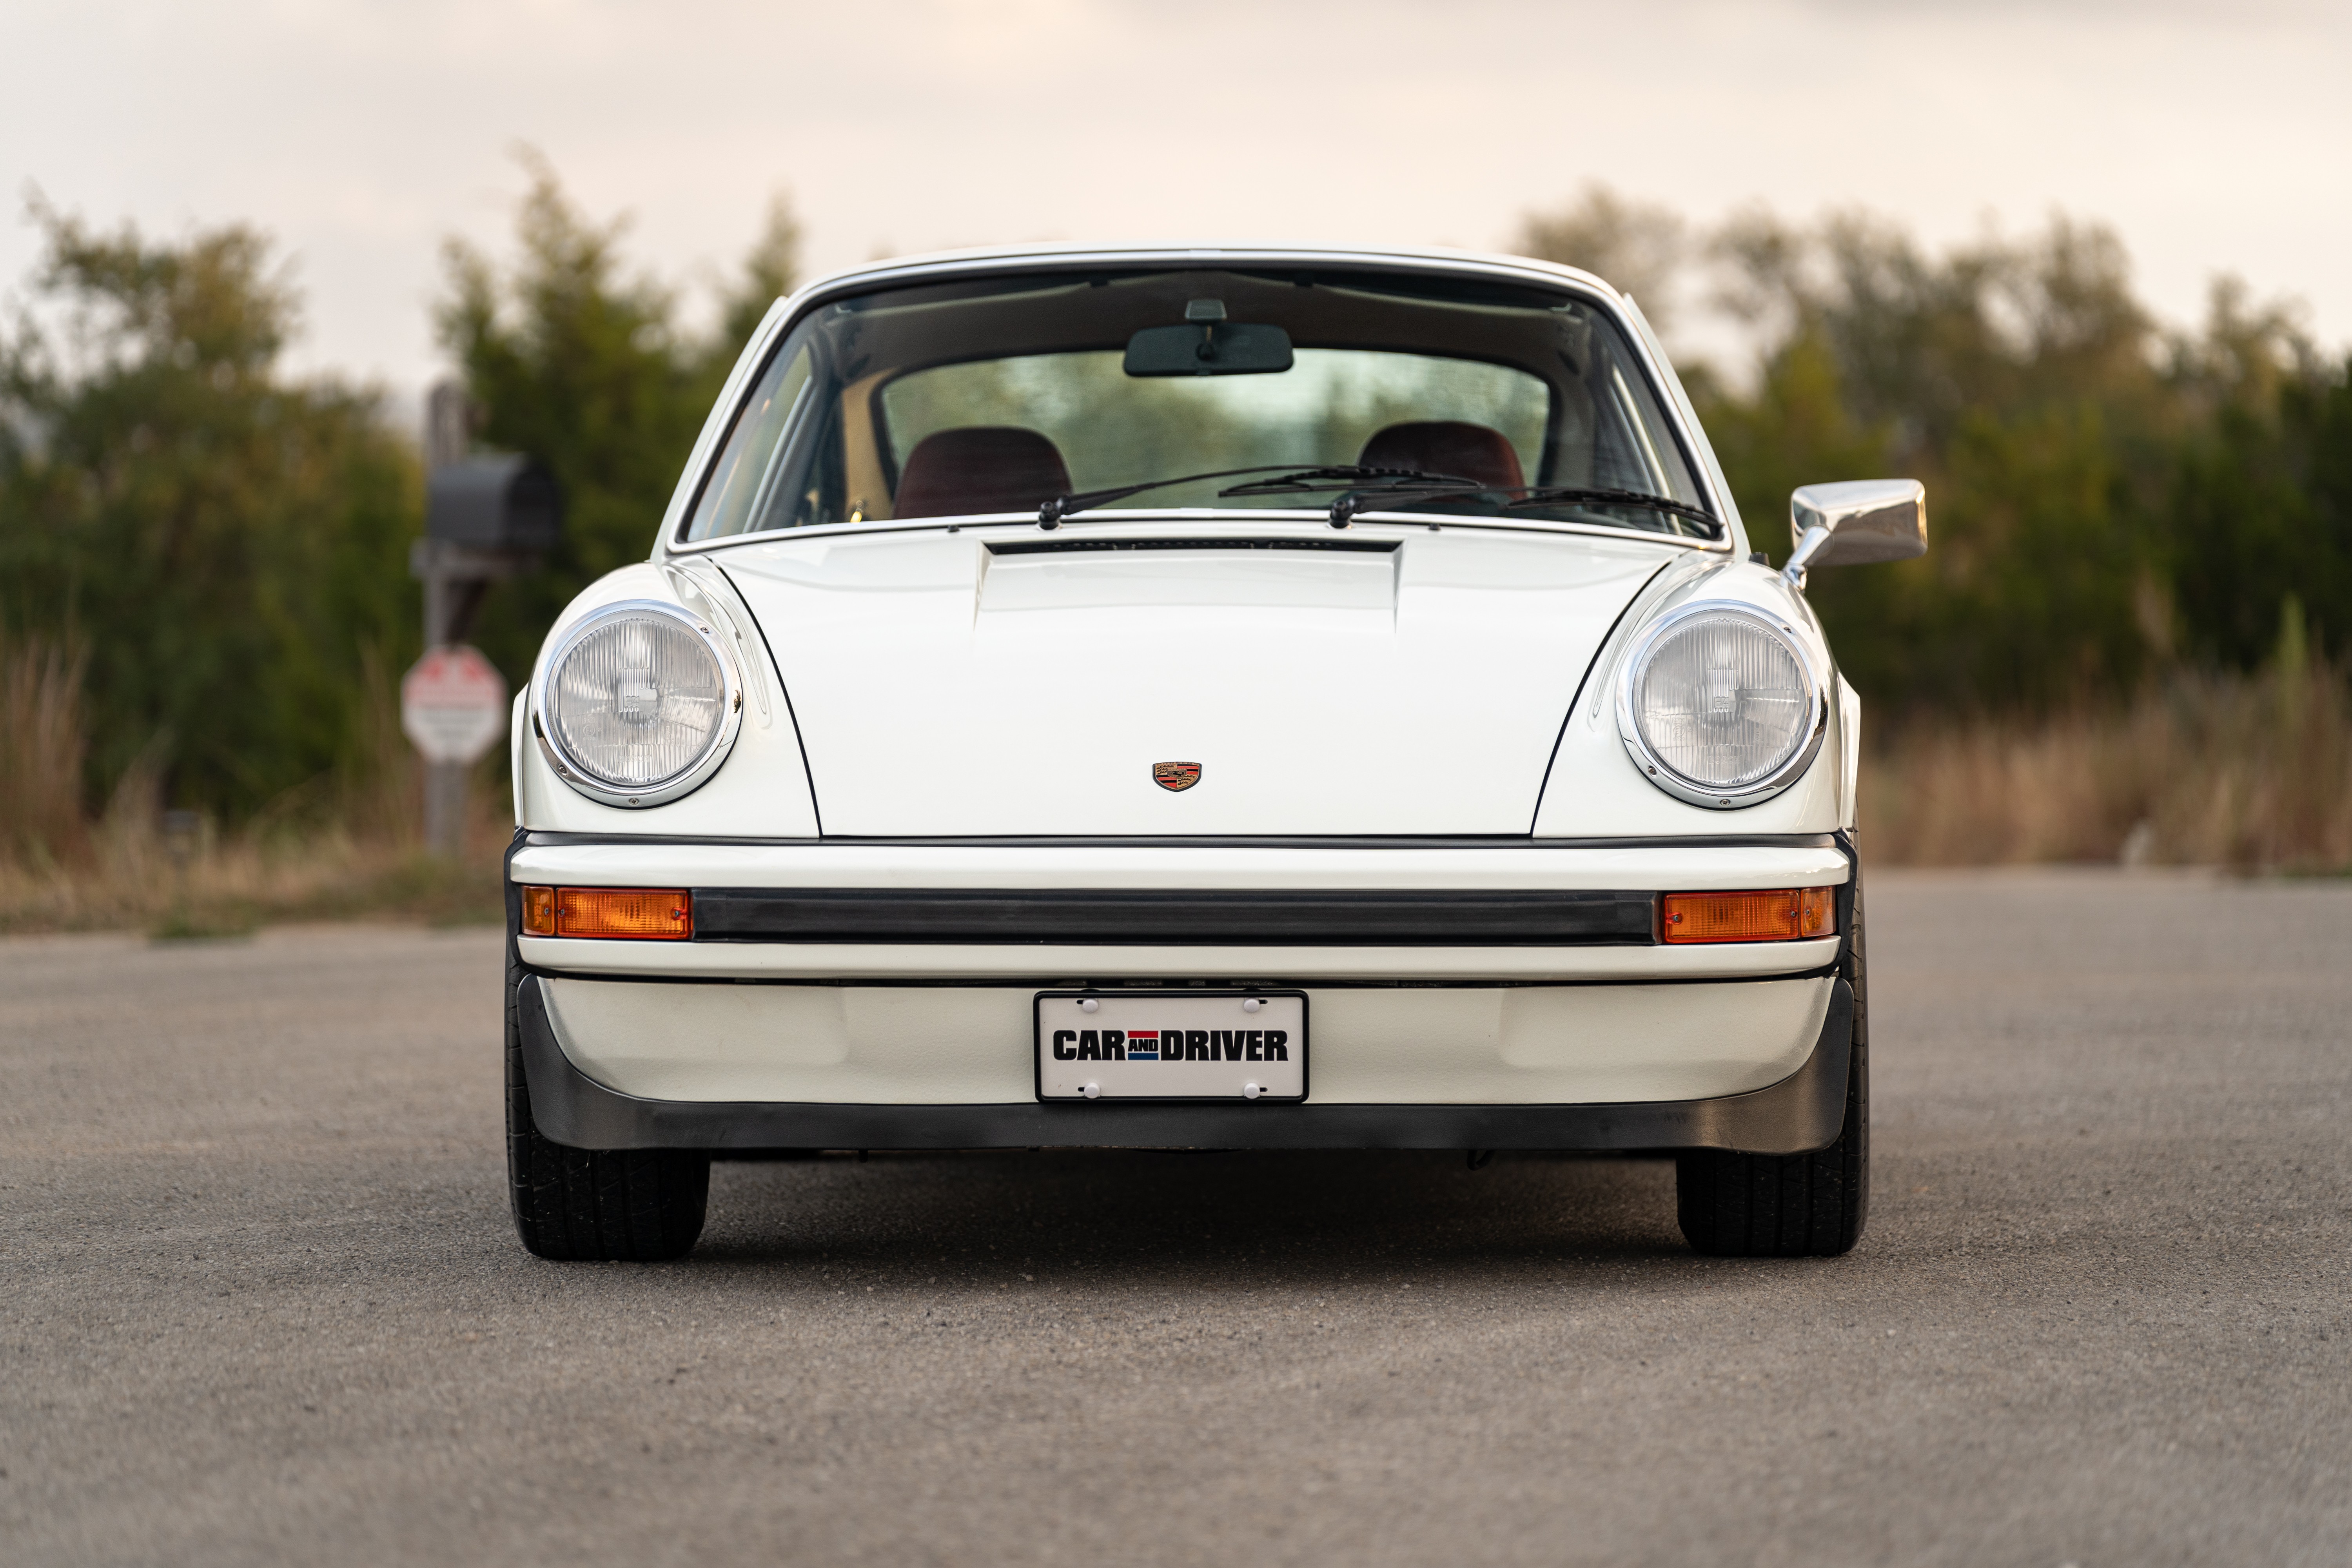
(570, 356)
(2142, 561)
(217, 553)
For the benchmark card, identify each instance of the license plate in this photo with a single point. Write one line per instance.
(1171, 1044)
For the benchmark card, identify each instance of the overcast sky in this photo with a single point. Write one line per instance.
(362, 133)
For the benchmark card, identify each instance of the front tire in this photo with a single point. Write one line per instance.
(636, 1205)
(1790, 1205)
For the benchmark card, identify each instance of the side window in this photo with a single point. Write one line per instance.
(741, 497)
(1637, 449)
(810, 480)
(1615, 436)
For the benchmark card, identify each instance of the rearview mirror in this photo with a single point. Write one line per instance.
(1209, 348)
(1855, 524)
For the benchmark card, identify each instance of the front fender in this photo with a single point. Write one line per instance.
(1595, 791)
(762, 791)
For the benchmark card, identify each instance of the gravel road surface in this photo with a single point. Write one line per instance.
(260, 1301)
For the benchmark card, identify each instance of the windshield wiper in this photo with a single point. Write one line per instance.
(1539, 495)
(1355, 500)
(1289, 480)
(1349, 476)
(1360, 488)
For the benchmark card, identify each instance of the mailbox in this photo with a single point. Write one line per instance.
(510, 503)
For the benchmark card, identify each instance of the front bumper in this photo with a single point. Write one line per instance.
(849, 994)
(1479, 908)
(1801, 1111)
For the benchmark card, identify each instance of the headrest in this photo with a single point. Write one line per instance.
(983, 468)
(1446, 446)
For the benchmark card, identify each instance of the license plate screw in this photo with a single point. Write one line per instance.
(1089, 1005)
(1251, 1004)
(1093, 1091)
(1249, 1090)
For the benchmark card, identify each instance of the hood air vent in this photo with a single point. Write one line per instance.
(1069, 546)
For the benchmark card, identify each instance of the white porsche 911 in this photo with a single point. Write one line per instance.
(1224, 698)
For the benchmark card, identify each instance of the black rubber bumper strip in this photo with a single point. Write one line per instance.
(1447, 918)
(1802, 1111)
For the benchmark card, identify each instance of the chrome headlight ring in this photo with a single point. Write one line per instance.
(1814, 724)
(546, 703)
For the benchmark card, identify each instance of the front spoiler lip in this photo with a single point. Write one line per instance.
(1803, 1112)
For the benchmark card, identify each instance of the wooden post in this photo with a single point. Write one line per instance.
(449, 603)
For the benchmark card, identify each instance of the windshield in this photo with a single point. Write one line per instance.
(996, 395)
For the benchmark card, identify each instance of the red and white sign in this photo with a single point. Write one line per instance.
(453, 704)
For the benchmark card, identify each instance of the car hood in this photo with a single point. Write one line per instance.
(953, 684)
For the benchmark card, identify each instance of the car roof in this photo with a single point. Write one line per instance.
(951, 263)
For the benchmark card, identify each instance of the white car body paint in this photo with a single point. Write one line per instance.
(944, 689)
(1526, 866)
(906, 682)
(760, 792)
(1848, 751)
(882, 1045)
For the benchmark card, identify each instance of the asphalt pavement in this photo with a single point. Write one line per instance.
(260, 1300)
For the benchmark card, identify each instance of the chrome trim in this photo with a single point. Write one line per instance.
(679, 785)
(694, 578)
(1857, 522)
(1692, 791)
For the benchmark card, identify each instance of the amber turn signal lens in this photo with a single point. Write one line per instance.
(539, 911)
(646, 914)
(1776, 915)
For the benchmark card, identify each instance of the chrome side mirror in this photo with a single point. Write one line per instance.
(1854, 525)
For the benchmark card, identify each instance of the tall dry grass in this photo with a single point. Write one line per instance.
(42, 745)
(343, 845)
(2249, 773)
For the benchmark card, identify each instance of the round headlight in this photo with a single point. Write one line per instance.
(640, 704)
(1719, 707)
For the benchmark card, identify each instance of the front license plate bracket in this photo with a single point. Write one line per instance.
(1167, 1043)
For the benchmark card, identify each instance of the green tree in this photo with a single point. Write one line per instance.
(1923, 343)
(1796, 427)
(573, 359)
(224, 548)
(2028, 599)
(2260, 505)
(2102, 497)
(771, 271)
(1638, 246)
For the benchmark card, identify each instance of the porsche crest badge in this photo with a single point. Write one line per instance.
(1175, 775)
